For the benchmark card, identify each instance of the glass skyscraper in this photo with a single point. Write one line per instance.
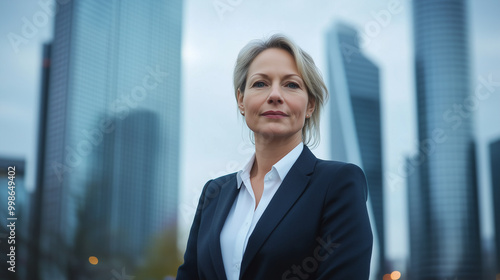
(449, 245)
(119, 206)
(112, 133)
(355, 117)
(418, 214)
(495, 184)
(37, 200)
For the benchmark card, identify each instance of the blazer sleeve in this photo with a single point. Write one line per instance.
(189, 269)
(346, 240)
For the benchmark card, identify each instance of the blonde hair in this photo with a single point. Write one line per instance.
(315, 86)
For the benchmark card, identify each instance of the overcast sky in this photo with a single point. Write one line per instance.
(214, 140)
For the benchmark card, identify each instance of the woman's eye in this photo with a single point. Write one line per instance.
(293, 85)
(259, 84)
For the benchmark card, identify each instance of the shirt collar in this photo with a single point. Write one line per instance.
(282, 166)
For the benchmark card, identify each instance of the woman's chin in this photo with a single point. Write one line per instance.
(274, 135)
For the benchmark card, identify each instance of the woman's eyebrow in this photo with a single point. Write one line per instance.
(267, 76)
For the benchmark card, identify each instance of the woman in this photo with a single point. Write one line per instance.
(286, 214)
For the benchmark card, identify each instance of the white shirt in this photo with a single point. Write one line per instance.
(243, 215)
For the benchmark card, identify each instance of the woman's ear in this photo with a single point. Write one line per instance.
(240, 100)
(311, 105)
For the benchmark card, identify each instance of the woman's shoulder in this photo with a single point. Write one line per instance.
(224, 178)
(219, 181)
(343, 177)
(333, 166)
(213, 187)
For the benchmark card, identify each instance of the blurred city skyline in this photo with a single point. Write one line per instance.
(213, 140)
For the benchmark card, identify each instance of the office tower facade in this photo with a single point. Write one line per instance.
(495, 184)
(37, 201)
(118, 206)
(355, 117)
(446, 149)
(110, 60)
(418, 213)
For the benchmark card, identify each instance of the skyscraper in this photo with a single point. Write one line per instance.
(110, 60)
(446, 153)
(355, 117)
(119, 205)
(418, 215)
(35, 225)
(495, 184)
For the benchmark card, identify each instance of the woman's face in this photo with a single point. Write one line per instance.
(275, 101)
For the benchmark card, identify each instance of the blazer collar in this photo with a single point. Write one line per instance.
(282, 167)
(290, 190)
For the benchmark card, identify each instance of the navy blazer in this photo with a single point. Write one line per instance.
(315, 227)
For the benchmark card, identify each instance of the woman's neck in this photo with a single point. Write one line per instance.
(268, 153)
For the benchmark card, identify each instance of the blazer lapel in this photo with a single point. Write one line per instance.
(228, 192)
(290, 190)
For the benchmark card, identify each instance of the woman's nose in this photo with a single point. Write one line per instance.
(275, 95)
